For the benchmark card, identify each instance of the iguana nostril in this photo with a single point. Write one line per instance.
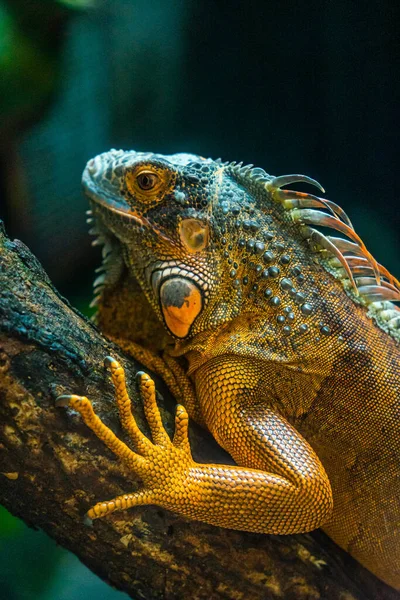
(91, 166)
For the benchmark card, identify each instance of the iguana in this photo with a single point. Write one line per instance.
(280, 339)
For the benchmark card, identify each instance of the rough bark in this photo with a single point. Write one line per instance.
(52, 468)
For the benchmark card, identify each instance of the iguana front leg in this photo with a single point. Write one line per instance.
(234, 497)
(243, 420)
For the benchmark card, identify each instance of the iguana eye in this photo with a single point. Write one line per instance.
(146, 183)
(194, 234)
(147, 180)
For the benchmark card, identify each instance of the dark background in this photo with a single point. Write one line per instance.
(293, 87)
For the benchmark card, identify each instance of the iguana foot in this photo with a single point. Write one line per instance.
(162, 465)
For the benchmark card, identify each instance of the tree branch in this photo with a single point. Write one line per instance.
(52, 469)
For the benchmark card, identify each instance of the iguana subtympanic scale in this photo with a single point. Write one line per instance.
(283, 341)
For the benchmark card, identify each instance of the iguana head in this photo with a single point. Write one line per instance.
(207, 240)
(171, 215)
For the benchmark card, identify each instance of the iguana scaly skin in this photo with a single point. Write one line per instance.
(281, 340)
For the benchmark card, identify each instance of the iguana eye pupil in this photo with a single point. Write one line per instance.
(147, 181)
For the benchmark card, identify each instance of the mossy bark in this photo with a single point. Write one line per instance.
(52, 469)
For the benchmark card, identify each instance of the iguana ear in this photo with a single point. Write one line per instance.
(181, 302)
(194, 234)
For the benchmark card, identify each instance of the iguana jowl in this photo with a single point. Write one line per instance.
(281, 340)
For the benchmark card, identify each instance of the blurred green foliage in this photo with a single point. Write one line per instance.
(26, 568)
(33, 567)
(27, 72)
(77, 4)
(31, 36)
(9, 526)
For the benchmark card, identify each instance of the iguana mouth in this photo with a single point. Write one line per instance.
(125, 215)
(100, 190)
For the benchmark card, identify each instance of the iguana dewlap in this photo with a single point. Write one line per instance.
(281, 340)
